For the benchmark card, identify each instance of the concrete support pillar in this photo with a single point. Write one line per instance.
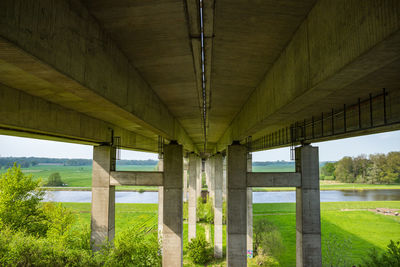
(236, 205)
(224, 181)
(172, 205)
(212, 179)
(193, 178)
(207, 171)
(249, 210)
(185, 179)
(218, 173)
(308, 219)
(103, 196)
(160, 168)
(199, 177)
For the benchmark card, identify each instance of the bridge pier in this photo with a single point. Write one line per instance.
(236, 232)
(308, 218)
(160, 168)
(192, 204)
(103, 196)
(218, 213)
(172, 205)
(249, 209)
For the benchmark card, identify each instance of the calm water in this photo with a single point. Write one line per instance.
(258, 197)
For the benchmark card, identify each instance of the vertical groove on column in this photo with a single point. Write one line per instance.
(236, 205)
(172, 206)
(308, 219)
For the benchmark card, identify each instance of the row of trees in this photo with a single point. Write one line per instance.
(375, 169)
(26, 162)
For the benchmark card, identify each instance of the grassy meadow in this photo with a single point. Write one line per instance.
(342, 222)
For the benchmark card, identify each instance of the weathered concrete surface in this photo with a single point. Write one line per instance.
(325, 65)
(274, 179)
(199, 177)
(249, 207)
(63, 54)
(103, 197)
(218, 214)
(236, 233)
(160, 168)
(192, 205)
(308, 217)
(185, 178)
(135, 178)
(29, 116)
(172, 206)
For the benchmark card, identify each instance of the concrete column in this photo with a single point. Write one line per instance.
(172, 205)
(212, 179)
(193, 177)
(249, 210)
(185, 179)
(236, 205)
(308, 219)
(160, 168)
(199, 178)
(103, 196)
(224, 181)
(218, 165)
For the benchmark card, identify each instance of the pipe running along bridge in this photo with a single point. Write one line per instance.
(211, 80)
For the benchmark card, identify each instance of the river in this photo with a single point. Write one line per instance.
(258, 197)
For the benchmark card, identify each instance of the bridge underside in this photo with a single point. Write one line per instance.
(202, 74)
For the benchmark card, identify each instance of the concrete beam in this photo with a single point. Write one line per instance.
(273, 179)
(51, 55)
(136, 178)
(330, 57)
(25, 115)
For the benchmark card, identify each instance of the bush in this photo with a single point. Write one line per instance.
(199, 250)
(390, 258)
(205, 211)
(54, 180)
(263, 260)
(267, 239)
(20, 201)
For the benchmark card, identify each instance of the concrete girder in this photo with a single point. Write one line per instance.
(46, 52)
(323, 58)
(25, 115)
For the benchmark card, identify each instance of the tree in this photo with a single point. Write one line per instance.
(19, 202)
(328, 169)
(344, 170)
(55, 180)
(376, 173)
(360, 168)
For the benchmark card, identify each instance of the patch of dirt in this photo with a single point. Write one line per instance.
(386, 211)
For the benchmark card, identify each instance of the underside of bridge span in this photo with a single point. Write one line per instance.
(202, 77)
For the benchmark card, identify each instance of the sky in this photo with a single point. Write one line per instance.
(328, 151)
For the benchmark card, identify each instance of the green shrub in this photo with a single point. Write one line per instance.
(267, 238)
(20, 201)
(136, 246)
(390, 258)
(266, 261)
(54, 180)
(199, 250)
(205, 211)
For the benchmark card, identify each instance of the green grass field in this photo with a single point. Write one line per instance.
(359, 228)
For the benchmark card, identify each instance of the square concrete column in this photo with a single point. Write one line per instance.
(308, 219)
(103, 196)
(192, 205)
(218, 173)
(212, 179)
(160, 168)
(249, 210)
(224, 181)
(199, 178)
(236, 235)
(172, 205)
(185, 179)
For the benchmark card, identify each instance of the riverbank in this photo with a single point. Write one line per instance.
(342, 222)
